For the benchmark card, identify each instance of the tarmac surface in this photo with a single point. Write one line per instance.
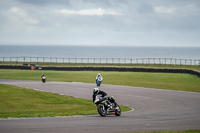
(153, 110)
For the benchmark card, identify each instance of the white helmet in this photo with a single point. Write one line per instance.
(96, 90)
(99, 74)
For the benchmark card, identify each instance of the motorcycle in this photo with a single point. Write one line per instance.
(43, 79)
(107, 106)
(99, 80)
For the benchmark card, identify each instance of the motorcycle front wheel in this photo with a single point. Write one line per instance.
(102, 110)
(43, 80)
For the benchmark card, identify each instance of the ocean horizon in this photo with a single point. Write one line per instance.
(99, 51)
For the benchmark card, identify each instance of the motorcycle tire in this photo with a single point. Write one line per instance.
(43, 80)
(117, 111)
(102, 110)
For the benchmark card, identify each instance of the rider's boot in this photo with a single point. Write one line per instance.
(110, 107)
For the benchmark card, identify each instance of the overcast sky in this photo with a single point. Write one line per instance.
(100, 22)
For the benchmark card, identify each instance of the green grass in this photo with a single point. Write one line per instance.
(21, 102)
(171, 81)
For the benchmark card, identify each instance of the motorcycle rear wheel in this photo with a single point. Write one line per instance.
(102, 110)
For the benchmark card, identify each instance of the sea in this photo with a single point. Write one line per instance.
(99, 52)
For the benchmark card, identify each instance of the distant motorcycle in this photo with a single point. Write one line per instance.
(43, 79)
(107, 106)
(99, 80)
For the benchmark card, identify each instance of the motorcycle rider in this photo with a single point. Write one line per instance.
(96, 92)
(99, 75)
(42, 75)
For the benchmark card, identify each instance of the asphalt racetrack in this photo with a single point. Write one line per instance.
(153, 110)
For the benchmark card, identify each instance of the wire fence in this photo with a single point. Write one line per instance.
(169, 61)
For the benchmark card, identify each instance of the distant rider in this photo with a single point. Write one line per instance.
(99, 76)
(42, 75)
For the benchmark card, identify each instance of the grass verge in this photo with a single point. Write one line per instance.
(21, 102)
(171, 81)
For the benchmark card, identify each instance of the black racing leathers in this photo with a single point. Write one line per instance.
(100, 93)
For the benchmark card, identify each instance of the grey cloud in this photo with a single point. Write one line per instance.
(145, 8)
(45, 2)
(138, 20)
